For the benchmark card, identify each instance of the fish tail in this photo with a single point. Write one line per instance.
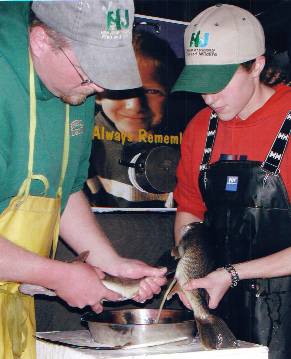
(215, 334)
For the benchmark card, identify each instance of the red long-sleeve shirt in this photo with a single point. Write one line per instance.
(252, 137)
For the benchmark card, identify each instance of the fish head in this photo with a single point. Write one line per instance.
(175, 252)
(185, 243)
(196, 251)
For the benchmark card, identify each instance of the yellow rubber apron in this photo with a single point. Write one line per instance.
(31, 222)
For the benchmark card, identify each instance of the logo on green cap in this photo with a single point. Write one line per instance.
(198, 41)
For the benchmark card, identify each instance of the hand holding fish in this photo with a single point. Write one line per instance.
(84, 284)
(81, 285)
(151, 278)
(215, 283)
(195, 253)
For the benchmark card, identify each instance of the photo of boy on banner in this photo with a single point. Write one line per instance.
(138, 133)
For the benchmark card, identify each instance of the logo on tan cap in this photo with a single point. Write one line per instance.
(197, 40)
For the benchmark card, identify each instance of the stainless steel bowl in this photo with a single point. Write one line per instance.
(137, 326)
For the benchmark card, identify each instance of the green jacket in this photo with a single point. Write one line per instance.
(14, 118)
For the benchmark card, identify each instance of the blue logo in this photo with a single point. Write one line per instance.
(231, 183)
(197, 40)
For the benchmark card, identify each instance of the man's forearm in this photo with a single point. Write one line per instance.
(22, 266)
(81, 231)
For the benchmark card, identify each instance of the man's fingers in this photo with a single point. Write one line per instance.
(156, 272)
(99, 272)
(97, 308)
(136, 269)
(148, 271)
(155, 283)
(111, 295)
(160, 281)
(145, 290)
(148, 287)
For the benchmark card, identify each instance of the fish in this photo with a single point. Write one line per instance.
(194, 252)
(127, 288)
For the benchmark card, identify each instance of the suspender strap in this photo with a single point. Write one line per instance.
(25, 187)
(65, 150)
(210, 138)
(273, 160)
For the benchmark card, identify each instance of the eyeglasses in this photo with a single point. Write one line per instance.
(83, 80)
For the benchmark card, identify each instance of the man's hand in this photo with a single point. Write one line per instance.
(81, 285)
(153, 278)
(78, 219)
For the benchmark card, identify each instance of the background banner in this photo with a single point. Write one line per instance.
(138, 133)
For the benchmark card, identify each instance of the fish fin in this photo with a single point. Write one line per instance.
(165, 297)
(215, 334)
(82, 257)
(175, 253)
(176, 288)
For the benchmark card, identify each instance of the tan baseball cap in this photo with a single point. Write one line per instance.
(216, 42)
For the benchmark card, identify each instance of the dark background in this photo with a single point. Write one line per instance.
(275, 15)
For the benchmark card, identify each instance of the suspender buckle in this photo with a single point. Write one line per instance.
(269, 173)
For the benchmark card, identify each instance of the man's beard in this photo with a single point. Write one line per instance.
(76, 100)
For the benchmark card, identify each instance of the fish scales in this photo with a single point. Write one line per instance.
(128, 288)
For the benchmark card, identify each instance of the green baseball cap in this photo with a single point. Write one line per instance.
(216, 42)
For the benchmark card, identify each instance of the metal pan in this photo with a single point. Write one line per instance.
(137, 327)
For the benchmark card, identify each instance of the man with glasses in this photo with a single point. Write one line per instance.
(71, 50)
